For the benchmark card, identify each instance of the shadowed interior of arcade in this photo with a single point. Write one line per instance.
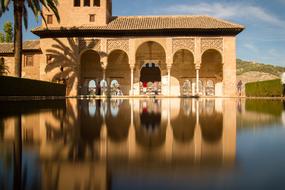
(151, 75)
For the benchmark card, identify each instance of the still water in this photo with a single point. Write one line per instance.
(142, 144)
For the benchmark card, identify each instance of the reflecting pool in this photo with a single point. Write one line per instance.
(142, 144)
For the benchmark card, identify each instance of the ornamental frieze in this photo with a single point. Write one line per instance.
(121, 44)
(89, 44)
(211, 43)
(183, 43)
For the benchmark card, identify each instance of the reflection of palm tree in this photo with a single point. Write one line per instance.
(18, 153)
(78, 133)
(66, 59)
(67, 121)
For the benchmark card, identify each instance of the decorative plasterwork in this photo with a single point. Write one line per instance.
(121, 44)
(211, 43)
(90, 44)
(183, 43)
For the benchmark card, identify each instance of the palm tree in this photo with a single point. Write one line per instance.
(21, 13)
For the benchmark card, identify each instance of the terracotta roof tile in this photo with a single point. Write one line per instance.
(158, 22)
(27, 45)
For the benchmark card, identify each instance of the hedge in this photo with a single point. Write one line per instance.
(270, 88)
(12, 86)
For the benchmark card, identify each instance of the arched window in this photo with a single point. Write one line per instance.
(210, 88)
(76, 3)
(115, 88)
(187, 88)
(92, 87)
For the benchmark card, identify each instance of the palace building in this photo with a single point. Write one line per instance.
(131, 55)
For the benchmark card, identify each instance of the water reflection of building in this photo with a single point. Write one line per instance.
(88, 144)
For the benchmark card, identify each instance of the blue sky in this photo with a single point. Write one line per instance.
(262, 41)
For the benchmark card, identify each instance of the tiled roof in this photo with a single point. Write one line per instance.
(27, 46)
(169, 22)
(125, 23)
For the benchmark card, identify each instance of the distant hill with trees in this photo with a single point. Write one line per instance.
(248, 71)
(248, 66)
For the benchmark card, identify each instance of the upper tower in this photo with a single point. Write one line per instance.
(81, 13)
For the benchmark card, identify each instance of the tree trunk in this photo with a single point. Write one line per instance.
(18, 12)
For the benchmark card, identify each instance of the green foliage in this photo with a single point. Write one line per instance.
(2, 38)
(36, 7)
(12, 86)
(271, 107)
(8, 29)
(246, 66)
(21, 15)
(271, 88)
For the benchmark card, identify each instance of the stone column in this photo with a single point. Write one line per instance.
(132, 79)
(104, 74)
(169, 78)
(197, 81)
(104, 78)
(197, 61)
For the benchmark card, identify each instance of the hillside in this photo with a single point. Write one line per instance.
(246, 66)
(252, 72)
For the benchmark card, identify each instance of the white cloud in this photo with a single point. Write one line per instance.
(226, 11)
(251, 47)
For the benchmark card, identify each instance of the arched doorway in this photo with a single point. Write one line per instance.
(90, 70)
(211, 70)
(150, 69)
(118, 69)
(182, 72)
(150, 79)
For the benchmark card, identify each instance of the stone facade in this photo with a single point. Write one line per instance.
(189, 64)
(31, 71)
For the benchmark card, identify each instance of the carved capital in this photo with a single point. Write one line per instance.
(197, 66)
(169, 65)
(132, 66)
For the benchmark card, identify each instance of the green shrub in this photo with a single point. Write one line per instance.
(12, 86)
(271, 88)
